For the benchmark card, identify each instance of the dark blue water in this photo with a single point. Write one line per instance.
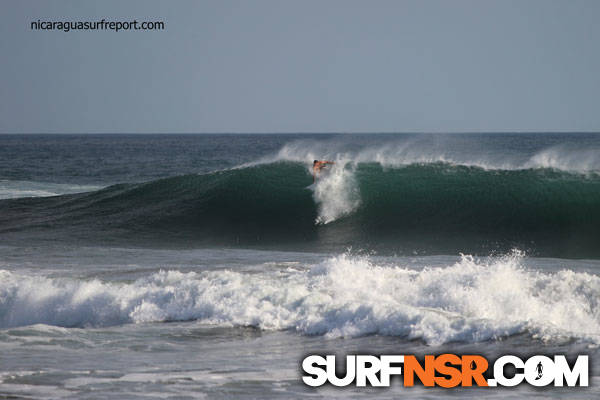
(109, 159)
(394, 194)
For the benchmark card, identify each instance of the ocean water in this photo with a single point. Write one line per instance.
(209, 266)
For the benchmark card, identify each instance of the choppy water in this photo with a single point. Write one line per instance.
(204, 266)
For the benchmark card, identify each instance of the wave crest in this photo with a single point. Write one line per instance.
(431, 149)
(469, 301)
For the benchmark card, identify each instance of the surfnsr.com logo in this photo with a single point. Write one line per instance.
(446, 370)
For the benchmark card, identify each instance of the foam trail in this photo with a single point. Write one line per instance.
(343, 296)
(336, 192)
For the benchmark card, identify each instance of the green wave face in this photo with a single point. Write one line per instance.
(420, 208)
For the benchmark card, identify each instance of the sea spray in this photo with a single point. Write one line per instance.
(336, 192)
(395, 153)
(343, 296)
(566, 158)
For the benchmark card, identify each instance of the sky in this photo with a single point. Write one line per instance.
(302, 66)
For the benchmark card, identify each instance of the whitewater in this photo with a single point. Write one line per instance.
(343, 296)
(76, 320)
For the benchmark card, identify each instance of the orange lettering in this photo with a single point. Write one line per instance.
(473, 367)
(454, 373)
(412, 367)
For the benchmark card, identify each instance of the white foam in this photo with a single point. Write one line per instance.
(336, 192)
(18, 189)
(344, 296)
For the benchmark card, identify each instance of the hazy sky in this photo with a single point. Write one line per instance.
(303, 66)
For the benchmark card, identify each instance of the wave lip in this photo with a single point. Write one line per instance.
(423, 150)
(345, 296)
(566, 159)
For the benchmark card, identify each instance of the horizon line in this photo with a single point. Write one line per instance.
(304, 132)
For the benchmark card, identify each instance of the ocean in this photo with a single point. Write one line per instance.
(209, 266)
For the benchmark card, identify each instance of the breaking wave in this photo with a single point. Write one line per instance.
(344, 296)
(431, 149)
(396, 196)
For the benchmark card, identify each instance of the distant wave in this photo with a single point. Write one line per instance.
(345, 296)
(17, 189)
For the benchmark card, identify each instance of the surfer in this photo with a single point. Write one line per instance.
(318, 166)
(539, 370)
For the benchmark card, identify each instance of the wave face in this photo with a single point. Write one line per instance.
(344, 296)
(428, 208)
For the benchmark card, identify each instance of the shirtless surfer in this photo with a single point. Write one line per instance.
(318, 166)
